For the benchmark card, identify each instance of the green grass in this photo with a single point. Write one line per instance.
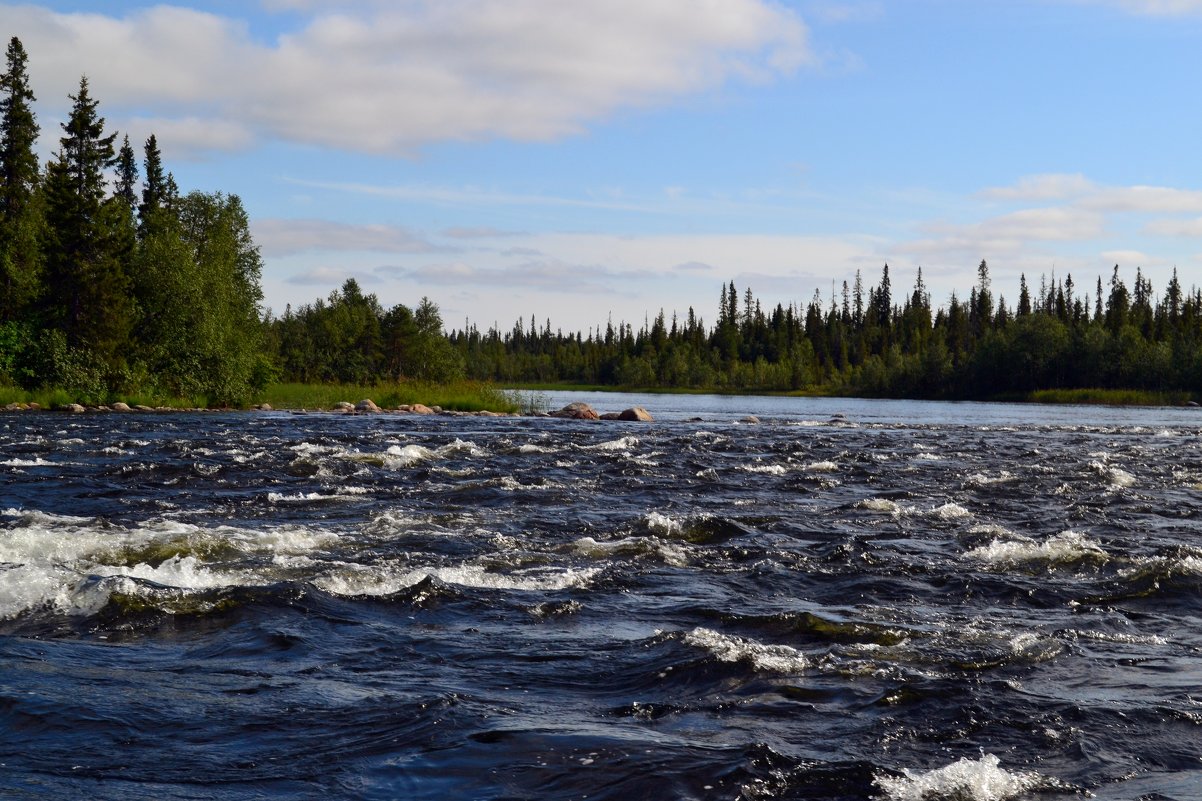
(53, 398)
(1109, 397)
(463, 396)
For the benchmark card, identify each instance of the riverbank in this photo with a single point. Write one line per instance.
(463, 396)
(1084, 397)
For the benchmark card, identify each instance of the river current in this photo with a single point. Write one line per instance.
(846, 600)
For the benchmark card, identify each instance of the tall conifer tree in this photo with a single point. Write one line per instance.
(86, 293)
(19, 251)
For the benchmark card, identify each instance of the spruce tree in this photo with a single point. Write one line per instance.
(154, 189)
(86, 294)
(19, 222)
(127, 175)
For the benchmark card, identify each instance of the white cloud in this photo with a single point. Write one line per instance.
(187, 137)
(330, 277)
(390, 77)
(1145, 199)
(1128, 258)
(1040, 188)
(478, 232)
(278, 237)
(1183, 228)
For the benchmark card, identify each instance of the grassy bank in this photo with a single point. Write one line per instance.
(1110, 397)
(465, 396)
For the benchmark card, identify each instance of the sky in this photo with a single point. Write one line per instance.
(584, 161)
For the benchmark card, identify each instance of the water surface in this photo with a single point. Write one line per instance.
(852, 599)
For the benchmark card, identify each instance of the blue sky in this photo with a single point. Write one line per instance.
(577, 160)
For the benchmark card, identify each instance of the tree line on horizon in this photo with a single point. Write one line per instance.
(867, 342)
(864, 343)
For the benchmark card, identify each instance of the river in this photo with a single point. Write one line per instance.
(849, 599)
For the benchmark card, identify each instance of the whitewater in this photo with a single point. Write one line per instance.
(845, 600)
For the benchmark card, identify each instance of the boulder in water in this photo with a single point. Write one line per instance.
(420, 408)
(577, 411)
(366, 405)
(636, 414)
(120, 406)
(344, 406)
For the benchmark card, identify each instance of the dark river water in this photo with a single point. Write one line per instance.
(847, 600)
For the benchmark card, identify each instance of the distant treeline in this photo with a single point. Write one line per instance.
(867, 343)
(862, 343)
(111, 281)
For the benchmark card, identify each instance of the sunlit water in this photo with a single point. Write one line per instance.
(849, 600)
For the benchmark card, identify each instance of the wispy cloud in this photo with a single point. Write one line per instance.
(1153, 8)
(330, 277)
(283, 237)
(548, 275)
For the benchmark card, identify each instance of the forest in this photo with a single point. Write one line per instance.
(865, 342)
(112, 281)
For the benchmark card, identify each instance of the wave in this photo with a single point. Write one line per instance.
(965, 780)
(768, 658)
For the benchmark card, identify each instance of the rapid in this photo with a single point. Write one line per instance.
(847, 600)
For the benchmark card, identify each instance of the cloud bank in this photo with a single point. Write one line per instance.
(387, 78)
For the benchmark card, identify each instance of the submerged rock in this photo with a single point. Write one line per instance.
(750, 419)
(577, 411)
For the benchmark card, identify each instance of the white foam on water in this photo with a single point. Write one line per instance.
(878, 505)
(1115, 476)
(36, 462)
(992, 528)
(768, 658)
(670, 553)
(926, 456)
(951, 512)
(981, 480)
(459, 447)
(963, 780)
(360, 580)
(711, 473)
(309, 497)
(184, 572)
(46, 560)
(822, 467)
(1067, 546)
(1117, 637)
(310, 448)
(401, 456)
(531, 449)
(765, 469)
(623, 444)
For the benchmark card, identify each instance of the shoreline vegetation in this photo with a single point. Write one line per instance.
(117, 287)
(474, 398)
